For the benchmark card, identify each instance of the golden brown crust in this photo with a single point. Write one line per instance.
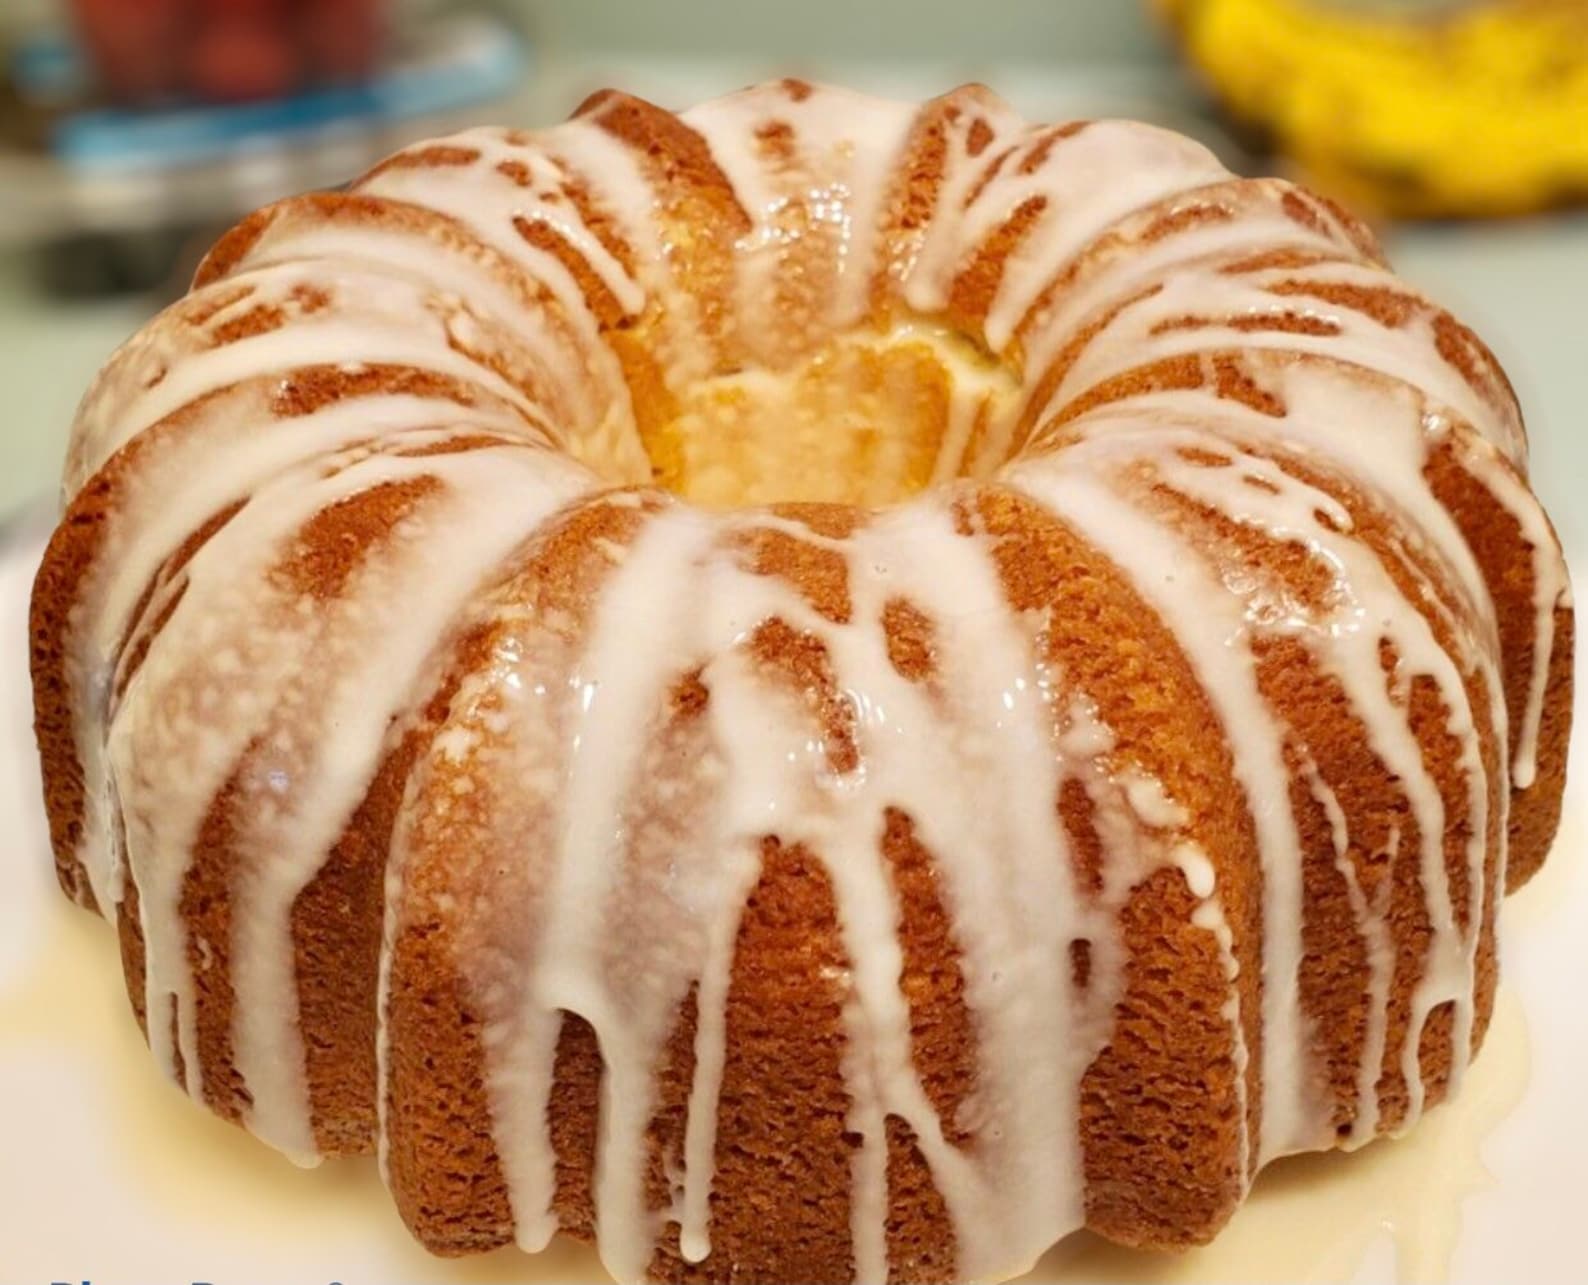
(973, 289)
(1327, 748)
(1335, 976)
(1169, 1114)
(694, 200)
(450, 1189)
(942, 1034)
(1161, 1120)
(915, 188)
(442, 1165)
(782, 1112)
(251, 244)
(919, 1232)
(1505, 558)
(336, 933)
(572, 1115)
(206, 910)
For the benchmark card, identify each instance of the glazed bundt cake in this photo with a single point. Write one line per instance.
(813, 690)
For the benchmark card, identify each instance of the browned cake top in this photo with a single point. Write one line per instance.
(1009, 638)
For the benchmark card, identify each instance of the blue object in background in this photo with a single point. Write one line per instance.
(460, 61)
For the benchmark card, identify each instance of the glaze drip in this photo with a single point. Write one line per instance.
(562, 536)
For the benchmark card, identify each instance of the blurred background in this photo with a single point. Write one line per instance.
(133, 131)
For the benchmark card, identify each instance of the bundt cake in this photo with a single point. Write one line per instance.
(814, 690)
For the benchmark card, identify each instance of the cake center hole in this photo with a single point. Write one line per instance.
(868, 418)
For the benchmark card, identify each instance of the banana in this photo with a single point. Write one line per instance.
(1476, 110)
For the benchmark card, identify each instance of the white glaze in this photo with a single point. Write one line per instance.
(563, 729)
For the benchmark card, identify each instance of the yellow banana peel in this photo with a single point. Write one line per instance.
(1477, 110)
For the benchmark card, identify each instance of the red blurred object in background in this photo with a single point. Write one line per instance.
(228, 50)
(237, 56)
(341, 40)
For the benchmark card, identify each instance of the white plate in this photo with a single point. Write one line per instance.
(109, 1174)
